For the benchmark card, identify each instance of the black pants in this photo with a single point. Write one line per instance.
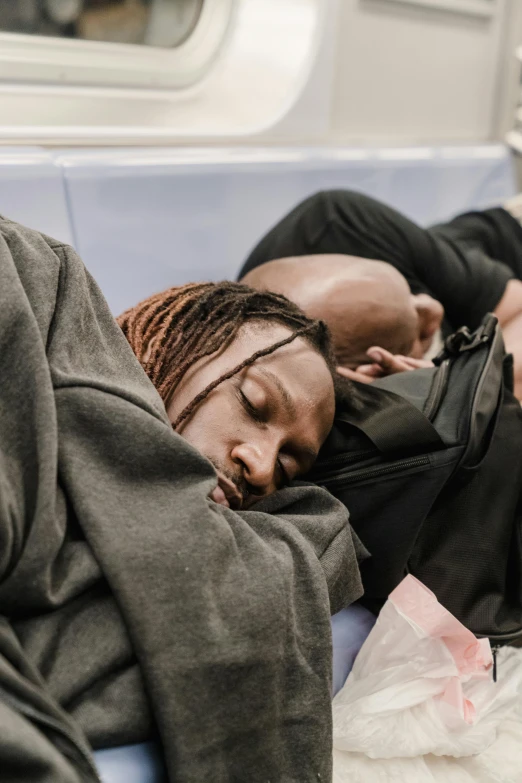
(493, 231)
(368, 228)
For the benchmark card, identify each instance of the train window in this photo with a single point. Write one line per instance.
(188, 70)
(165, 23)
(130, 43)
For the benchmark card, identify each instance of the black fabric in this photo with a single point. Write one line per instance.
(458, 264)
(491, 231)
(132, 604)
(392, 423)
(451, 516)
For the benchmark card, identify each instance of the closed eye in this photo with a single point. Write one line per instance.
(250, 409)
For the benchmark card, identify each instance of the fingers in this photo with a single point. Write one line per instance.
(391, 363)
(371, 370)
(416, 364)
(354, 375)
(388, 362)
(384, 363)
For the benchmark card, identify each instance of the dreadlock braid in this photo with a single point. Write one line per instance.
(172, 330)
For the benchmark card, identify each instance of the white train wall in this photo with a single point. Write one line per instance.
(386, 72)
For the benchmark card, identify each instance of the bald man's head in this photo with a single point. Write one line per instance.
(364, 302)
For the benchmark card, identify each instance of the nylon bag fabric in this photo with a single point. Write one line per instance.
(429, 464)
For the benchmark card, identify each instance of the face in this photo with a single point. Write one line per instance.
(264, 426)
(430, 314)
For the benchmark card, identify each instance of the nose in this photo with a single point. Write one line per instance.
(258, 463)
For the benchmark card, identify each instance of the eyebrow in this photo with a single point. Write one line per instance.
(307, 452)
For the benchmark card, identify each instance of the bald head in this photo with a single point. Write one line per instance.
(364, 302)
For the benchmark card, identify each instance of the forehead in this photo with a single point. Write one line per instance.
(289, 362)
(286, 362)
(295, 374)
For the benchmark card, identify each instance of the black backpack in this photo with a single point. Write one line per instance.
(429, 464)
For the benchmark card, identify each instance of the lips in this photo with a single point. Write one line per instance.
(218, 496)
(226, 493)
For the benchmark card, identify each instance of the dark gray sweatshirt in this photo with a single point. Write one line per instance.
(133, 605)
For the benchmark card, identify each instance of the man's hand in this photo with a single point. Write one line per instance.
(383, 363)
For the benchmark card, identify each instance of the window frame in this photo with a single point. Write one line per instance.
(481, 8)
(59, 61)
(242, 93)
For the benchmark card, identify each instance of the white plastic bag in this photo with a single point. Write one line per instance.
(422, 684)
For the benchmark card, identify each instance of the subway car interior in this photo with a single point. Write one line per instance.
(162, 140)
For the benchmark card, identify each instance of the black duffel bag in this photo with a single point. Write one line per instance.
(429, 464)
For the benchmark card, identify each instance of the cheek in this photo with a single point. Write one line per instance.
(210, 428)
(316, 416)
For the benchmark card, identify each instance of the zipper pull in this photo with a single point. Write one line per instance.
(494, 651)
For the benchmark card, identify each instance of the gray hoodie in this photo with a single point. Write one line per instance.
(134, 606)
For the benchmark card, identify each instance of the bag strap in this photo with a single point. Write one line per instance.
(463, 340)
(391, 422)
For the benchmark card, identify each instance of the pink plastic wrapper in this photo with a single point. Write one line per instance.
(472, 656)
(422, 684)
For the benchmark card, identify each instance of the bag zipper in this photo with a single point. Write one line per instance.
(496, 644)
(494, 650)
(437, 390)
(369, 473)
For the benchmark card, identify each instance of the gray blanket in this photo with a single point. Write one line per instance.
(132, 605)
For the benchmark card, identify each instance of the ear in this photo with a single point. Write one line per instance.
(430, 313)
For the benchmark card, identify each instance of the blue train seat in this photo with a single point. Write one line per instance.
(131, 764)
(144, 220)
(32, 191)
(350, 627)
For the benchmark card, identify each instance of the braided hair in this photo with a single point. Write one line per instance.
(172, 330)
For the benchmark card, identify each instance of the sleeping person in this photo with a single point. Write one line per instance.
(245, 377)
(382, 282)
(158, 578)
